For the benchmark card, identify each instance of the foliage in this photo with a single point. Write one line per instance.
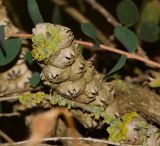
(9, 49)
(35, 80)
(135, 26)
(127, 12)
(121, 62)
(29, 58)
(149, 22)
(34, 11)
(126, 37)
(89, 30)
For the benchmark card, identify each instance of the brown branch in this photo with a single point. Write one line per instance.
(117, 51)
(104, 47)
(9, 114)
(8, 98)
(19, 35)
(94, 140)
(103, 11)
(6, 137)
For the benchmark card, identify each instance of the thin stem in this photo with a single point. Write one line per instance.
(6, 137)
(117, 51)
(8, 98)
(103, 47)
(9, 114)
(103, 11)
(94, 140)
(20, 35)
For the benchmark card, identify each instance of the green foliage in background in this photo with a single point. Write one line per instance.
(127, 12)
(126, 37)
(34, 12)
(149, 29)
(89, 30)
(9, 49)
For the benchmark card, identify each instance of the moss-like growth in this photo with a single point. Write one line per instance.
(46, 43)
(118, 128)
(31, 98)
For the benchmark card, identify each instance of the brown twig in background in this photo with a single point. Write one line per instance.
(6, 94)
(19, 35)
(103, 11)
(40, 129)
(79, 17)
(6, 137)
(117, 51)
(152, 64)
(9, 114)
(8, 98)
(89, 139)
(109, 17)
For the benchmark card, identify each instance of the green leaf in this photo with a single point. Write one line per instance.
(2, 40)
(2, 37)
(57, 18)
(29, 58)
(121, 62)
(126, 37)
(90, 31)
(35, 80)
(149, 32)
(34, 12)
(151, 12)
(127, 12)
(12, 48)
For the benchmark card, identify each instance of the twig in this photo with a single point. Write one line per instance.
(80, 18)
(19, 91)
(9, 114)
(19, 35)
(117, 51)
(103, 11)
(94, 140)
(8, 98)
(6, 137)
(103, 47)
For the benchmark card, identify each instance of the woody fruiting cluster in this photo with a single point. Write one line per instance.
(64, 69)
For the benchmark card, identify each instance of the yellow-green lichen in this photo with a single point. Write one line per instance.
(31, 98)
(45, 44)
(118, 128)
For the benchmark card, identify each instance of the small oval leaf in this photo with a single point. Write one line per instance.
(89, 30)
(29, 58)
(149, 32)
(121, 62)
(127, 12)
(126, 37)
(35, 80)
(34, 12)
(12, 48)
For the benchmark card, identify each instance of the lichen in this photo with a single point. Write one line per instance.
(31, 98)
(118, 127)
(45, 44)
(142, 127)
